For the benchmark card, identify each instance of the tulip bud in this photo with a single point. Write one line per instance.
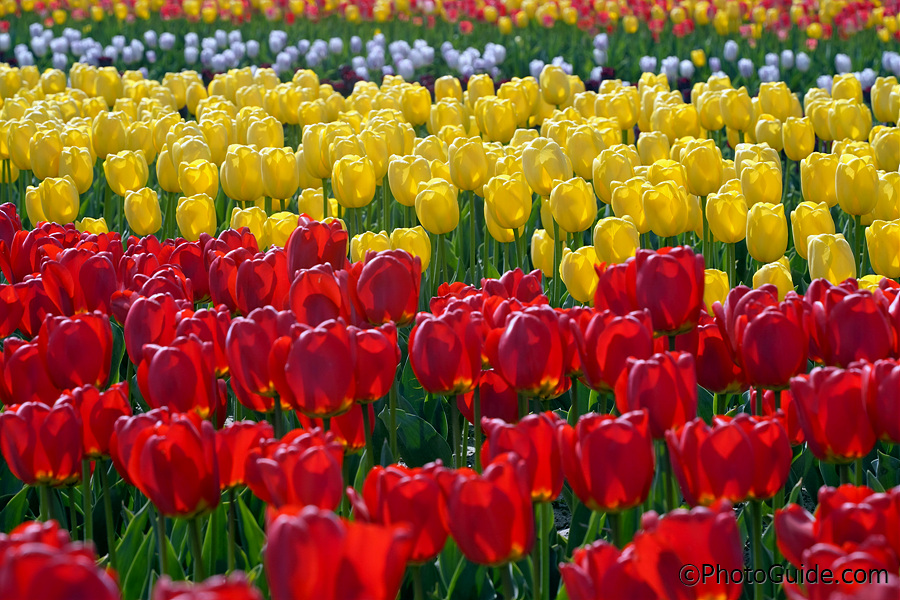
(703, 165)
(652, 146)
(126, 171)
(809, 219)
(573, 205)
(279, 227)
(33, 207)
(626, 201)
(59, 200)
(241, 174)
(578, 273)
(766, 232)
(415, 241)
(849, 119)
(77, 163)
(196, 215)
(715, 288)
(405, 173)
(142, 211)
(353, 178)
(610, 167)
(94, 226)
(109, 133)
(437, 207)
(198, 177)
(856, 186)
(615, 240)
(830, 258)
(555, 87)
(775, 273)
(542, 249)
(368, 241)
(280, 173)
(767, 130)
(508, 198)
(666, 208)
(761, 182)
(883, 242)
(799, 138)
(775, 99)
(545, 164)
(737, 108)
(254, 219)
(818, 178)
(45, 148)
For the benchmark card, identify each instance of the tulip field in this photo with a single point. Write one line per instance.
(449, 300)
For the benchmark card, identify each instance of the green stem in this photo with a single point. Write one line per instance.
(324, 199)
(385, 206)
(278, 419)
(523, 406)
(162, 545)
(859, 472)
(419, 592)
(509, 589)
(268, 206)
(760, 395)
(393, 419)
(593, 528)
(557, 257)
(451, 587)
(476, 407)
(232, 530)
(857, 243)
(73, 514)
(454, 430)
(86, 499)
(108, 509)
(575, 408)
(546, 522)
(777, 504)
(668, 475)
(196, 549)
(844, 473)
(756, 543)
(370, 449)
(615, 526)
(473, 240)
(537, 554)
(44, 495)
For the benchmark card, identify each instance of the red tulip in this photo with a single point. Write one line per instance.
(9, 223)
(314, 243)
(616, 288)
(772, 454)
(223, 272)
(302, 469)
(609, 340)
(445, 351)
(38, 560)
(171, 459)
(785, 411)
(347, 427)
(534, 440)
(490, 515)
(150, 321)
(180, 376)
(601, 571)
(717, 368)
(385, 287)
(608, 461)
(99, 412)
(36, 305)
(233, 444)
(516, 284)
(313, 554)
(498, 400)
(449, 293)
(319, 370)
(42, 445)
(319, 294)
(669, 283)
(397, 495)
(860, 575)
(188, 256)
(256, 347)
(377, 359)
(528, 352)
(881, 390)
(262, 281)
(832, 413)
(11, 310)
(220, 587)
(702, 536)
(80, 280)
(77, 350)
(25, 377)
(665, 385)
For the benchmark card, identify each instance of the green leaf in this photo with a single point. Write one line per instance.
(795, 493)
(215, 540)
(253, 533)
(128, 546)
(417, 441)
(136, 580)
(13, 512)
(118, 352)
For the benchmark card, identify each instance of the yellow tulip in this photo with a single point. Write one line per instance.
(416, 102)
(126, 171)
(615, 240)
(883, 242)
(279, 227)
(584, 144)
(881, 99)
(497, 118)
(666, 208)
(45, 149)
(280, 174)
(77, 163)
(775, 99)
(89, 225)
(545, 164)
(542, 252)
(775, 273)
(254, 219)
(166, 173)
(142, 211)
(59, 200)
(555, 85)
(767, 233)
(573, 205)
(799, 138)
(817, 178)
(727, 214)
(196, 215)
(311, 202)
(715, 288)
(609, 168)
(886, 146)
(761, 183)
(508, 198)
(33, 207)
(809, 219)
(703, 165)
(652, 146)
(19, 140)
(887, 204)
(353, 178)
(198, 177)
(768, 131)
(737, 108)
(626, 202)
(366, 242)
(830, 258)
(431, 148)
(140, 137)
(578, 273)
(415, 241)
(849, 119)
(437, 207)
(241, 174)
(109, 133)
(856, 186)
(468, 163)
(405, 173)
